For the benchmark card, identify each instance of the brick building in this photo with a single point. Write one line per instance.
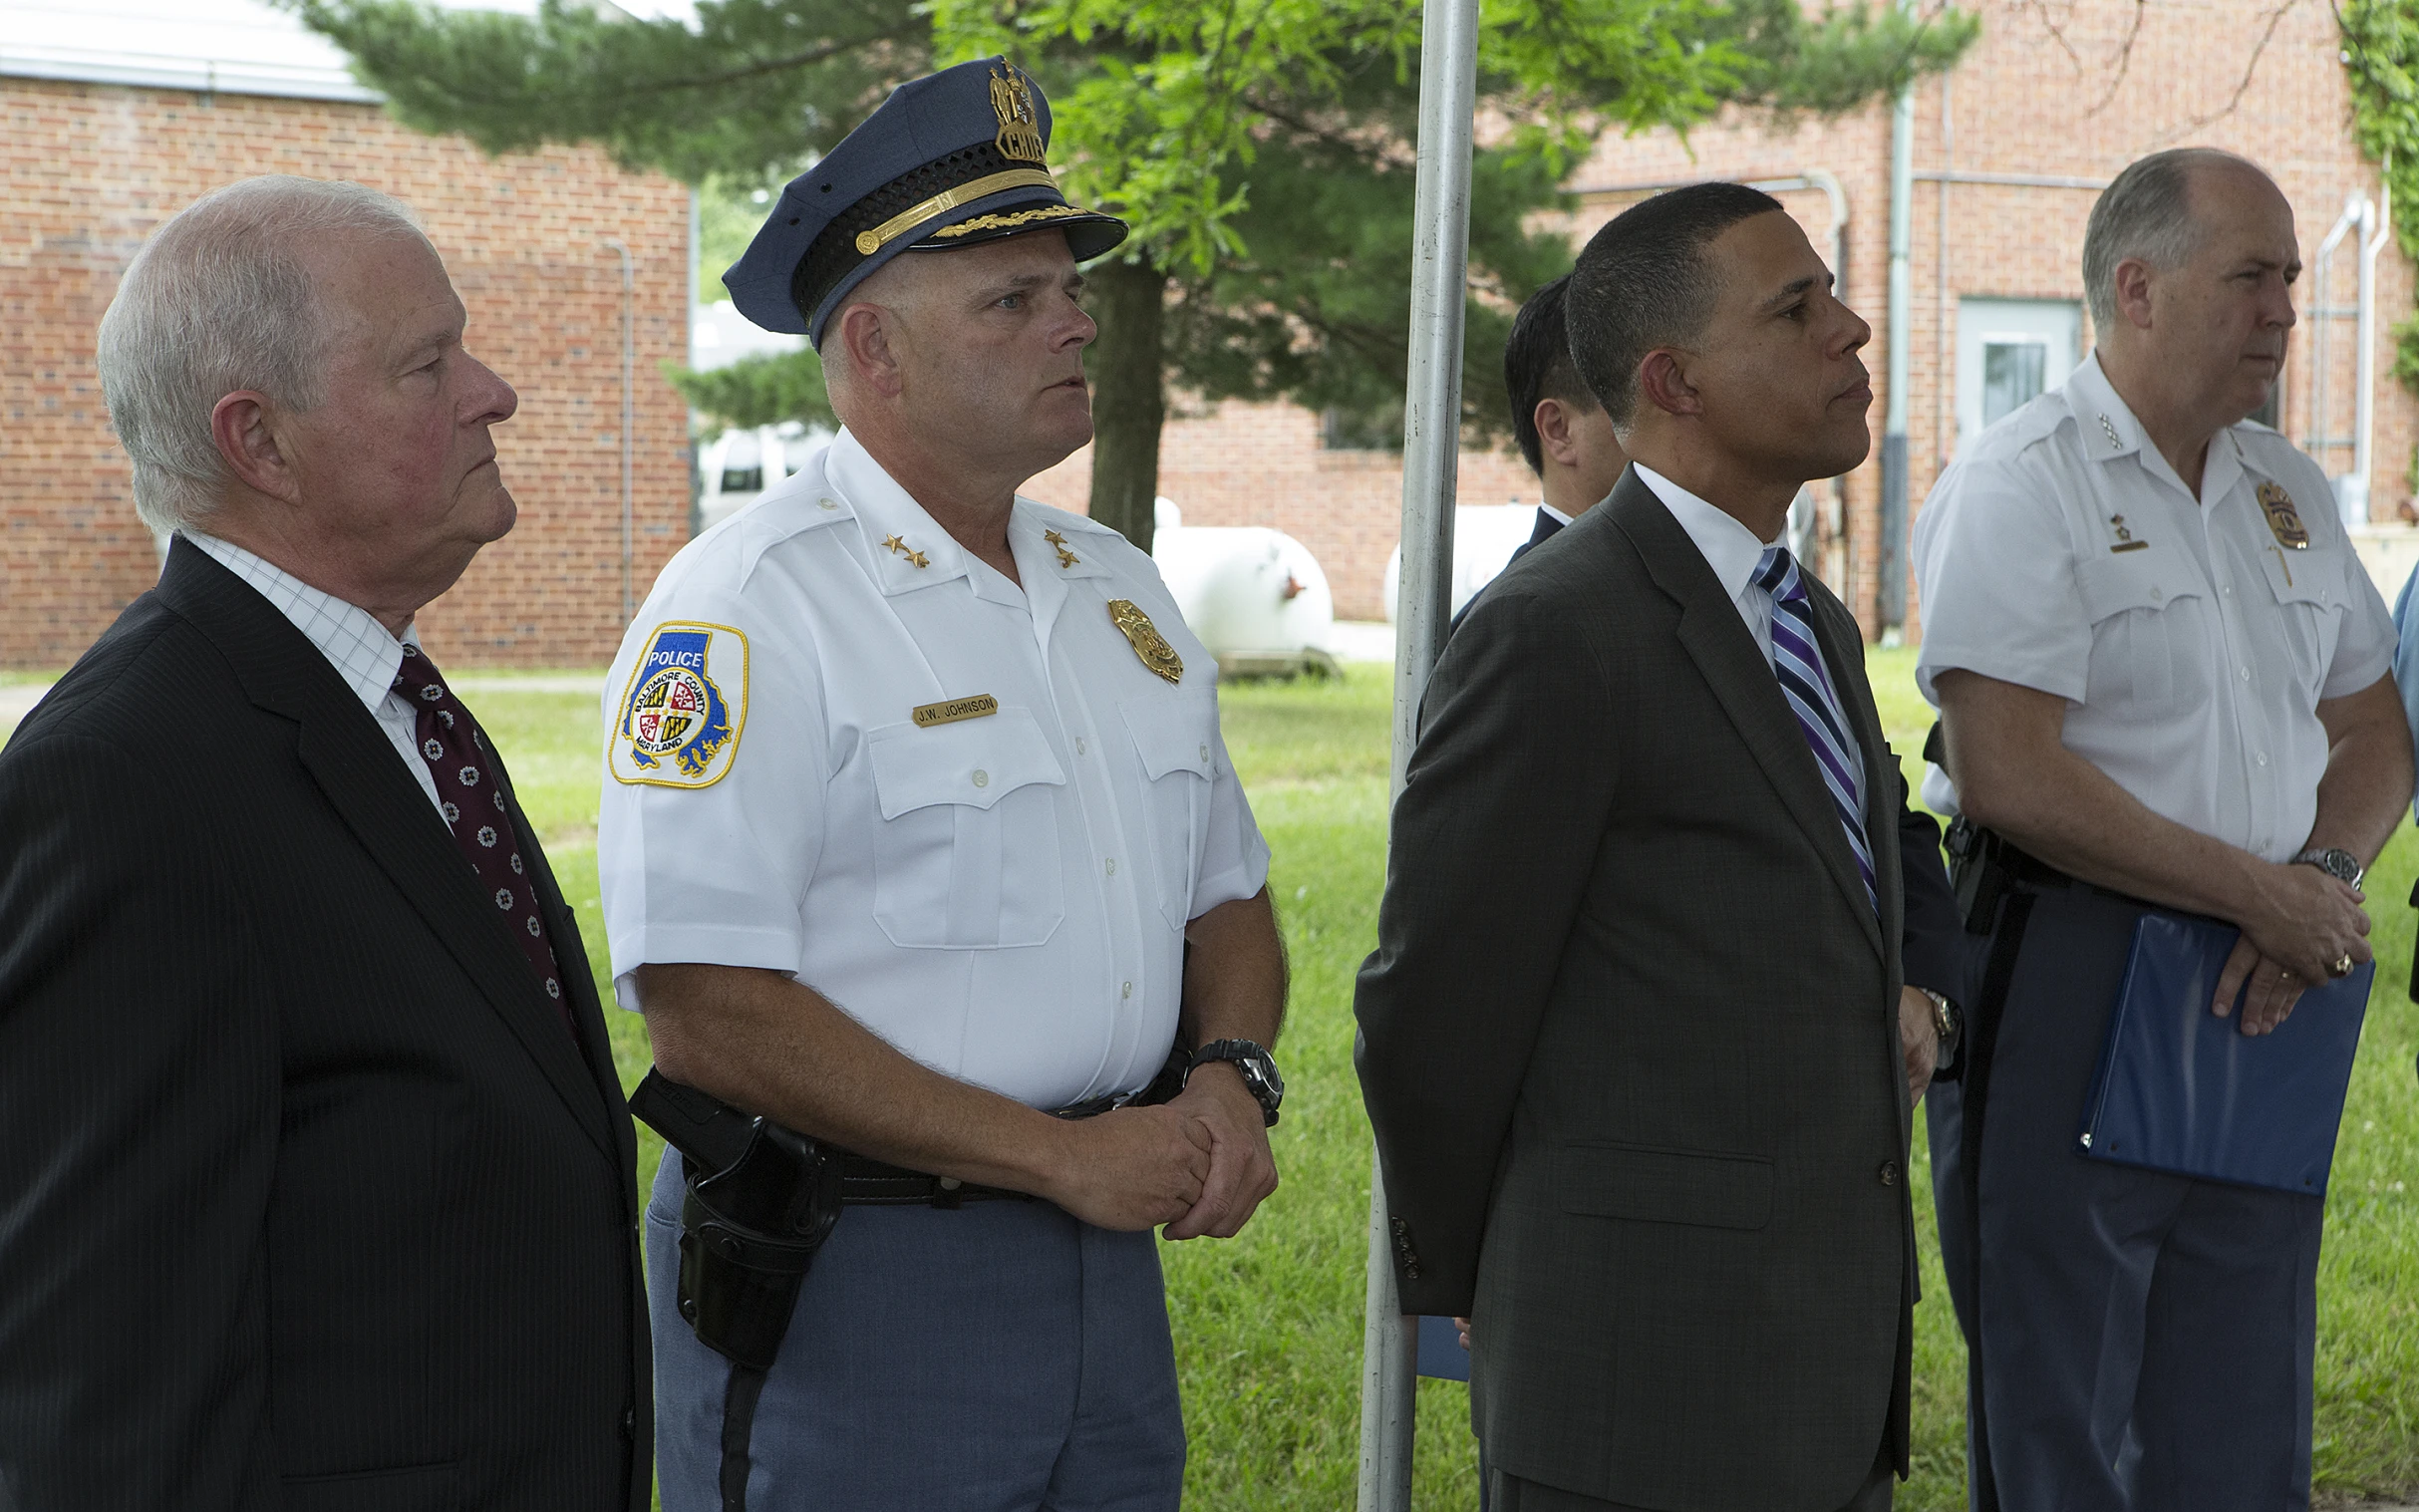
(2008, 152)
(112, 123)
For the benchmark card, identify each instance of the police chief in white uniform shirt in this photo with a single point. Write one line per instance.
(917, 800)
(2163, 677)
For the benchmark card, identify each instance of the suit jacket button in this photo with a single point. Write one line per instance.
(1890, 1173)
(629, 1423)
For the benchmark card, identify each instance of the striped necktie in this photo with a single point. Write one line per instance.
(1798, 662)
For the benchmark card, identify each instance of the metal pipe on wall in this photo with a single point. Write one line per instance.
(1889, 575)
(2364, 416)
(629, 601)
(1431, 440)
(2320, 314)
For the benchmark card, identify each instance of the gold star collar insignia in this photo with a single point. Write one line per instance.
(898, 547)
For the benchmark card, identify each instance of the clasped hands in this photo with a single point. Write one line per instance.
(1200, 1163)
(2304, 924)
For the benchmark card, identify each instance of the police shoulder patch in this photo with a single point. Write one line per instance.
(682, 708)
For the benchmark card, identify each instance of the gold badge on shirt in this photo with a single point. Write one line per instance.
(1148, 643)
(2284, 521)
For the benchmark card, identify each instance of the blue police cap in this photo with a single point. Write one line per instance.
(949, 161)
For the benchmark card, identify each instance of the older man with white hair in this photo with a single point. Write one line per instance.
(2162, 674)
(315, 1178)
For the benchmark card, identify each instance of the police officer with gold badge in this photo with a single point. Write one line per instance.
(920, 829)
(2162, 676)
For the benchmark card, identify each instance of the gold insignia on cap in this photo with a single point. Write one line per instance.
(2284, 521)
(1148, 643)
(1012, 100)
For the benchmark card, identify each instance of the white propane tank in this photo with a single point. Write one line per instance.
(1484, 538)
(1255, 596)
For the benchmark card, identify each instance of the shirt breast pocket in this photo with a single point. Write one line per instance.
(2150, 641)
(1174, 732)
(968, 853)
(2307, 587)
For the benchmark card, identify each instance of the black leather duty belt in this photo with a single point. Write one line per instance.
(867, 1182)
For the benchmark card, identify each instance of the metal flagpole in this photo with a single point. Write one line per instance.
(1431, 434)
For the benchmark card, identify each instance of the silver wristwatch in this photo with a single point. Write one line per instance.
(2343, 865)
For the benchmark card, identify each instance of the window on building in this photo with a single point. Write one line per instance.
(2011, 375)
(2009, 353)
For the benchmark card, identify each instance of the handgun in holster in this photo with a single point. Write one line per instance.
(1978, 869)
(760, 1199)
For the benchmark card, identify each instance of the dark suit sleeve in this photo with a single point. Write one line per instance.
(1484, 881)
(1934, 941)
(138, 1132)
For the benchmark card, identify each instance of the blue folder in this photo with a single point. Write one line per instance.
(2180, 1089)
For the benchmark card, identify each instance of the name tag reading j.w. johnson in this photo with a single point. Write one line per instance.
(950, 711)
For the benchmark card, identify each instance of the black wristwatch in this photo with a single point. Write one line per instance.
(2343, 865)
(1254, 1063)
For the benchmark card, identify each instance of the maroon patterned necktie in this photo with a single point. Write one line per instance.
(456, 753)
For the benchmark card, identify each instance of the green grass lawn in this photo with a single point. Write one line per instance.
(1268, 1324)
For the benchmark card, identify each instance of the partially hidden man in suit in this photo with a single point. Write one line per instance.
(316, 1185)
(1640, 1058)
(1563, 431)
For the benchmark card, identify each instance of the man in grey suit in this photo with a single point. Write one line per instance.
(1640, 1060)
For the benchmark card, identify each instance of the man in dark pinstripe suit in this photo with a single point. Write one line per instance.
(316, 1183)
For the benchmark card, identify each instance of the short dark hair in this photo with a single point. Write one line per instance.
(1641, 283)
(1537, 365)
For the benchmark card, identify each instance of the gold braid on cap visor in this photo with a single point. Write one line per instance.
(870, 242)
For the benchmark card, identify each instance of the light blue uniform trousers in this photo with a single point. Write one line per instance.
(1001, 1357)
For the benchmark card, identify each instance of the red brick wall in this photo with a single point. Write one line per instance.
(86, 172)
(2026, 100)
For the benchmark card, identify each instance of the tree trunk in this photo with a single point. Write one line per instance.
(1128, 404)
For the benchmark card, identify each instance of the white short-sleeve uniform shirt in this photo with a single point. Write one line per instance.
(2192, 638)
(970, 813)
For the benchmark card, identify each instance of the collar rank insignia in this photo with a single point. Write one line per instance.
(1012, 100)
(1067, 558)
(2284, 521)
(684, 708)
(898, 547)
(2108, 428)
(2125, 540)
(1148, 643)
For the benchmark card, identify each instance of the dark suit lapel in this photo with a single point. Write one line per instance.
(587, 1009)
(1835, 629)
(341, 745)
(1717, 640)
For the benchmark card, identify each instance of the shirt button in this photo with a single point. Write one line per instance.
(827, 503)
(982, 777)
(2155, 596)
(1081, 748)
(1130, 990)
(1890, 1173)
(2228, 590)
(1111, 863)
(2246, 674)
(2263, 759)
(1205, 753)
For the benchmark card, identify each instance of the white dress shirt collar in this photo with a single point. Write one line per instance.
(348, 636)
(1730, 549)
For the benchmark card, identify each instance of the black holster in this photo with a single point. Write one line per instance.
(761, 1200)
